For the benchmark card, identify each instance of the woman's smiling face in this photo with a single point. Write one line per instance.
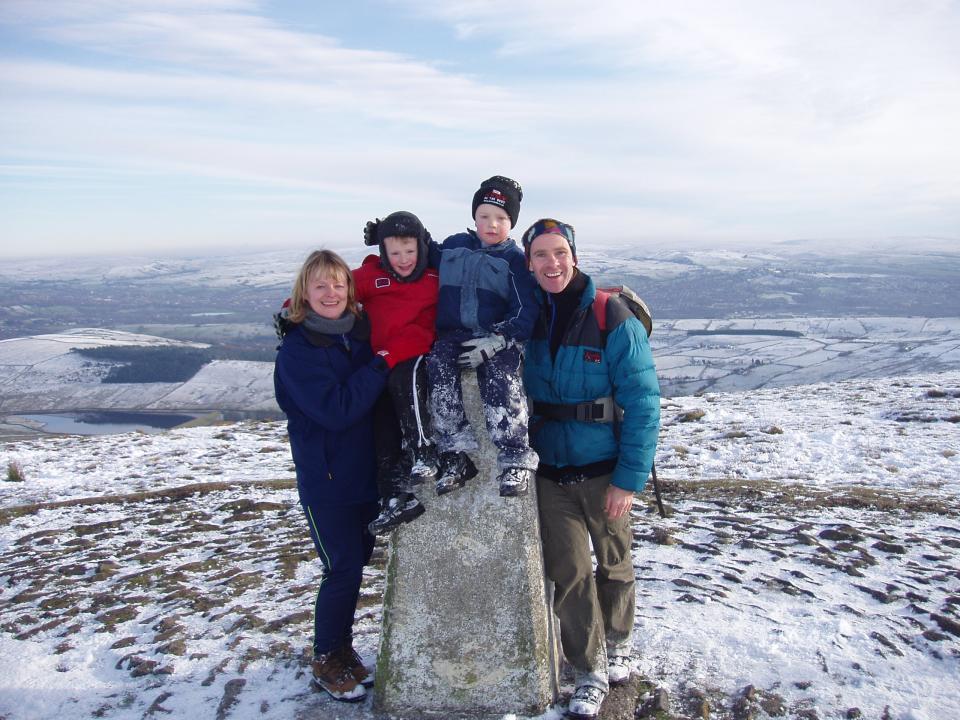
(327, 295)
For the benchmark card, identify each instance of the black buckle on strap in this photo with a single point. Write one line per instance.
(589, 412)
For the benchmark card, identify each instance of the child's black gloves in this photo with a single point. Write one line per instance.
(370, 232)
(281, 323)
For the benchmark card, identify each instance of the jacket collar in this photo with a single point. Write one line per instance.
(499, 247)
(360, 332)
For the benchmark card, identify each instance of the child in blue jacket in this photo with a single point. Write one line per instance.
(486, 310)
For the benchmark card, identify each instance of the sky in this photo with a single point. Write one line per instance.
(171, 126)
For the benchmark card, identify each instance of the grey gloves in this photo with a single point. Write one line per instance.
(478, 350)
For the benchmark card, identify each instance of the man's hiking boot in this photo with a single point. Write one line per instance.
(455, 469)
(332, 675)
(585, 702)
(361, 673)
(394, 511)
(618, 669)
(514, 481)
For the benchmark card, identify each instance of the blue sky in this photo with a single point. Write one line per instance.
(144, 126)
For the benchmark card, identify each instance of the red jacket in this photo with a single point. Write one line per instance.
(402, 314)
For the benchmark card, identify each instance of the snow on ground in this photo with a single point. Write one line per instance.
(897, 434)
(64, 467)
(812, 553)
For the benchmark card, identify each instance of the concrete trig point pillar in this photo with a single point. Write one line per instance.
(466, 628)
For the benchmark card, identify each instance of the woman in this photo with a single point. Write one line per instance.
(327, 380)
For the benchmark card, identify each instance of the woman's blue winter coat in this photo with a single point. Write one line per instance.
(327, 386)
(586, 370)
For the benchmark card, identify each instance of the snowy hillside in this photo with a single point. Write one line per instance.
(694, 355)
(808, 569)
(40, 374)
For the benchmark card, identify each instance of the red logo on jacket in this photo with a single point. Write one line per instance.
(592, 356)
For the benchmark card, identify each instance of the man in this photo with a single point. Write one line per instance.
(596, 415)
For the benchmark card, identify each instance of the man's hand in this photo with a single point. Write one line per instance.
(618, 502)
(478, 350)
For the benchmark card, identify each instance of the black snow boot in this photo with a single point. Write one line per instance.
(455, 469)
(394, 511)
(514, 481)
(424, 466)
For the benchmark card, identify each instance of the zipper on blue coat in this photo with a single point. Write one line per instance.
(553, 321)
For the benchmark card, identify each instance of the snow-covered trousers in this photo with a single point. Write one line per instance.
(596, 612)
(340, 536)
(401, 421)
(505, 403)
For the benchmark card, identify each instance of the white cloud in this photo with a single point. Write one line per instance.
(734, 118)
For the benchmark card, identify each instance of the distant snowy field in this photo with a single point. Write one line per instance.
(41, 374)
(730, 355)
(828, 608)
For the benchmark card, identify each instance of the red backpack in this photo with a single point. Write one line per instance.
(633, 302)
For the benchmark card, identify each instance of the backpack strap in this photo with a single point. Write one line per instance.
(602, 410)
(600, 312)
(626, 303)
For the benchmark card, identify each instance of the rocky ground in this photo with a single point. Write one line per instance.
(151, 603)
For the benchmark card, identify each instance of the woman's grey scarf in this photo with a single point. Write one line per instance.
(340, 326)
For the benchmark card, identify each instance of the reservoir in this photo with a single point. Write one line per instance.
(101, 422)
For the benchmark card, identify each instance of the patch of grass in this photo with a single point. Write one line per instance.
(15, 472)
(691, 416)
(948, 453)
(166, 494)
(774, 430)
(803, 496)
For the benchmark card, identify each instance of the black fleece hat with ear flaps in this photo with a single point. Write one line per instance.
(400, 224)
(502, 192)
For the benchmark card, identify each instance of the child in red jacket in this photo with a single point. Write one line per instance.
(399, 294)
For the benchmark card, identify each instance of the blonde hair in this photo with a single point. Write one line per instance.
(320, 262)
